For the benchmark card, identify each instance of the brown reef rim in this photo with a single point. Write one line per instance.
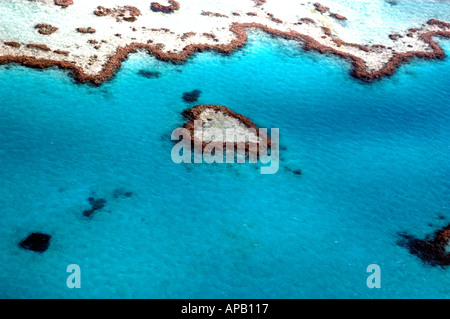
(309, 43)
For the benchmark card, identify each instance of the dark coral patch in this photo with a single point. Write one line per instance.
(37, 242)
(432, 250)
(297, 172)
(96, 204)
(120, 193)
(149, 74)
(192, 97)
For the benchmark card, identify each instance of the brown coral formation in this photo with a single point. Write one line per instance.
(438, 23)
(187, 35)
(307, 20)
(211, 36)
(157, 7)
(326, 30)
(273, 18)
(12, 44)
(276, 20)
(340, 43)
(86, 30)
(63, 3)
(395, 36)
(125, 13)
(433, 250)
(46, 29)
(62, 52)
(41, 47)
(338, 16)
(321, 8)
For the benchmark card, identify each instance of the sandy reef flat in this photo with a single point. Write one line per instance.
(215, 121)
(92, 38)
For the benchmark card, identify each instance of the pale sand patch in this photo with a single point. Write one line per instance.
(216, 125)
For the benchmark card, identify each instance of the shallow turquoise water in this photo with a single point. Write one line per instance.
(374, 161)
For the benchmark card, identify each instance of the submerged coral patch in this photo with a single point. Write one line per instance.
(192, 97)
(434, 250)
(121, 193)
(96, 205)
(149, 74)
(37, 242)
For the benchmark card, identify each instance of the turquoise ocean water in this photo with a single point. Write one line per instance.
(375, 162)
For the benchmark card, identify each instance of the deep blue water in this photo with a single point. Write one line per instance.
(374, 157)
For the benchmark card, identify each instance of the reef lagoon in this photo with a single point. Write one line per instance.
(360, 165)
